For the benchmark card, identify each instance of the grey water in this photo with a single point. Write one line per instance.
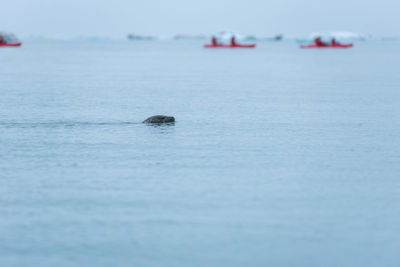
(278, 156)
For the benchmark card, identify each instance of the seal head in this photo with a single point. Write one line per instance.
(159, 119)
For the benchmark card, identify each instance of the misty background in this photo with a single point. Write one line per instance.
(104, 18)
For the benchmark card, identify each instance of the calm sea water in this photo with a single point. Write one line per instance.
(279, 156)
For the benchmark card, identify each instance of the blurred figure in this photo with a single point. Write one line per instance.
(1, 39)
(334, 42)
(233, 41)
(214, 41)
(319, 42)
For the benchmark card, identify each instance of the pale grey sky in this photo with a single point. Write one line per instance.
(116, 18)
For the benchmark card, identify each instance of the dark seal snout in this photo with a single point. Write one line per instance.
(159, 119)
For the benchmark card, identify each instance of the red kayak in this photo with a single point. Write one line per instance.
(327, 46)
(11, 44)
(230, 46)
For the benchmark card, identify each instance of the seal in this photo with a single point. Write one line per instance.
(159, 119)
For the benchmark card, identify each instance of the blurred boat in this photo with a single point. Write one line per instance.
(11, 44)
(221, 42)
(327, 46)
(318, 43)
(8, 39)
(229, 45)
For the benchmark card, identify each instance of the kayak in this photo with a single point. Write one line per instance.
(327, 46)
(230, 46)
(11, 44)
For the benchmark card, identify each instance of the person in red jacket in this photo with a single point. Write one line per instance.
(233, 41)
(1, 39)
(214, 41)
(319, 42)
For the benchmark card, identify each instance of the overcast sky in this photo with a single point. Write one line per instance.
(116, 18)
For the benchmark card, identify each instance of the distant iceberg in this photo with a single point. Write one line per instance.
(278, 37)
(135, 37)
(189, 37)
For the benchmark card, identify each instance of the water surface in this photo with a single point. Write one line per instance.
(279, 156)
